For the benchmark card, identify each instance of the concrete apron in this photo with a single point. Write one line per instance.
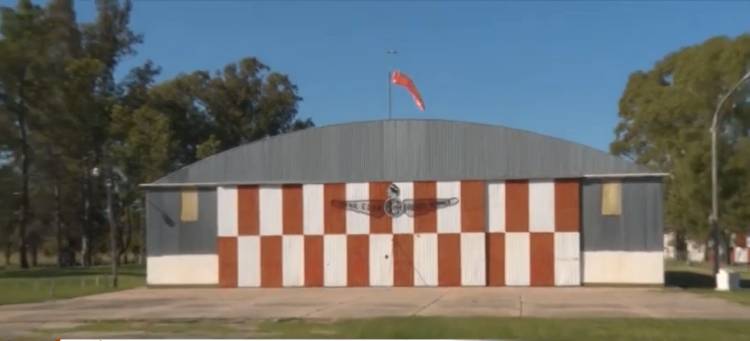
(336, 303)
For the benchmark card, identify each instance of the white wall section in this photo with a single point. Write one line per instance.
(293, 260)
(381, 260)
(312, 209)
(628, 267)
(567, 258)
(517, 259)
(405, 222)
(357, 222)
(334, 260)
(270, 210)
(449, 218)
(226, 211)
(182, 270)
(425, 259)
(473, 259)
(248, 262)
(541, 206)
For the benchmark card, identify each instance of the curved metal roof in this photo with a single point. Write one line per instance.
(401, 150)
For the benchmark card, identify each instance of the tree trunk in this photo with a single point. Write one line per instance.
(24, 218)
(58, 224)
(142, 223)
(8, 252)
(85, 218)
(34, 246)
(112, 227)
(126, 236)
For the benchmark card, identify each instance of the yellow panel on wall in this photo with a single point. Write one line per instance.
(189, 210)
(611, 198)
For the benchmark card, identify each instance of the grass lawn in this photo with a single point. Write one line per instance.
(418, 327)
(46, 283)
(698, 278)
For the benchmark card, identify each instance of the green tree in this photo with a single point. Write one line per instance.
(24, 66)
(242, 103)
(664, 119)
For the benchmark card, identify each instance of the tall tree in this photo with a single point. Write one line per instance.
(23, 67)
(242, 103)
(665, 114)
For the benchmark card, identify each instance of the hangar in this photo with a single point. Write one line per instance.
(406, 203)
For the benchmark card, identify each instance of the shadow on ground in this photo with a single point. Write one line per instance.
(690, 279)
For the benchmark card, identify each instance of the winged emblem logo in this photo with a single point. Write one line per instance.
(394, 206)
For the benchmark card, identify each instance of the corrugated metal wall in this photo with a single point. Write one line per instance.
(402, 150)
(640, 227)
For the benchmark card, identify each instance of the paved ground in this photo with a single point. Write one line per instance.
(370, 302)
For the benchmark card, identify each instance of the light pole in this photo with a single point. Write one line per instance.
(714, 217)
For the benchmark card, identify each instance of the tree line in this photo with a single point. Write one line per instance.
(664, 118)
(75, 142)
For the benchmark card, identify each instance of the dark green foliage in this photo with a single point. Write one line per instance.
(63, 114)
(665, 115)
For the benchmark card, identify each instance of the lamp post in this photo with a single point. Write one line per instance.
(714, 217)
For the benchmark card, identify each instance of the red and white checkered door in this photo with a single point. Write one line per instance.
(512, 233)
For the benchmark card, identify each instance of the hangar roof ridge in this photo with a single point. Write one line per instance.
(435, 150)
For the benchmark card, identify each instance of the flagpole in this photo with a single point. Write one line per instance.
(390, 71)
(389, 95)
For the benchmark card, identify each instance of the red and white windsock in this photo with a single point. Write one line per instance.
(399, 78)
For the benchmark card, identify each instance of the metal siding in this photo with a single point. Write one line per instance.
(248, 261)
(334, 260)
(381, 260)
(425, 259)
(638, 228)
(401, 150)
(167, 235)
(473, 259)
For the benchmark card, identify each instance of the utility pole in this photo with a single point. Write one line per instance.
(714, 217)
(390, 72)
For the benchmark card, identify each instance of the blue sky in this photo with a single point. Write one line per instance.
(556, 68)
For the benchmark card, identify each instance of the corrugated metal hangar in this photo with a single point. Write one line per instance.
(406, 203)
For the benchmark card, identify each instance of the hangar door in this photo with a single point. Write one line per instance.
(426, 233)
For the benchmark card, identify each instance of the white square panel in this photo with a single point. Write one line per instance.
(312, 208)
(541, 206)
(405, 222)
(357, 222)
(449, 218)
(270, 208)
(334, 260)
(248, 261)
(473, 259)
(517, 259)
(381, 260)
(425, 259)
(226, 211)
